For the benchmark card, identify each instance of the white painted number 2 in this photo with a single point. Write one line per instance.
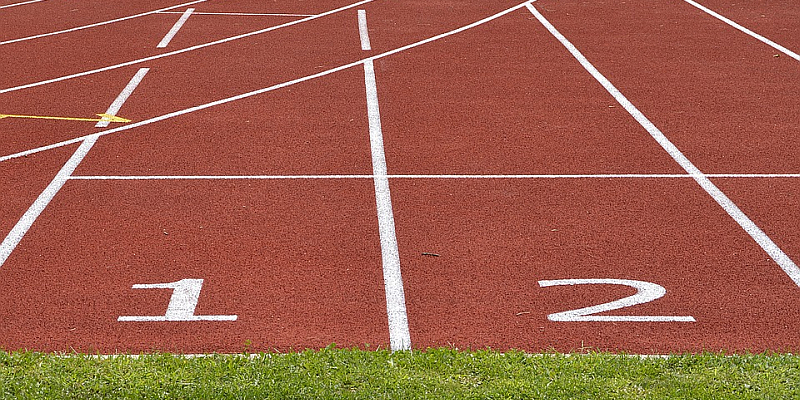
(645, 293)
(185, 294)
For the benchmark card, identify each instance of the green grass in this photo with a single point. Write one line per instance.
(436, 373)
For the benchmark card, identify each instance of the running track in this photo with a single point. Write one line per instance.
(400, 174)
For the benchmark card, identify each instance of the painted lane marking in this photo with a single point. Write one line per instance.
(278, 177)
(241, 14)
(645, 293)
(772, 249)
(98, 24)
(399, 337)
(107, 118)
(267, 89)
(24, 224)
(184, 50)
(32, 213)
(363, 33)
(182, 304)
(175, 28)
(113, 109)
(20, 4)
(744, 30)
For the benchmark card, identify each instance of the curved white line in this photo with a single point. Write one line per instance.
(185, 50)
(97, 24)
(20, 4)
(264, 90)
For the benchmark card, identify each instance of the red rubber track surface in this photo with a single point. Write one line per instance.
(299, 260)
(49, 16)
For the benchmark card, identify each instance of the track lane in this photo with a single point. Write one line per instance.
(178, 93)
(23, 179)
(173, 85)
(77, 52)
(80, 98)
(719, 95)
(298, 262)
(314, 127)
(517, 100)
(495, 239)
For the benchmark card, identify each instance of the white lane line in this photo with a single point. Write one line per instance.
(748, 225)
(185, 50)
(113, 109)
(744, 30)
(19, 4)
(521, 177)
(99, 23)
(24, 224)
(399, 337)
(175, 28)
(241, 14)
(362, 30)
(263, 90)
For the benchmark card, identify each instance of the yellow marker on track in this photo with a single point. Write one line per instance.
(103, 118)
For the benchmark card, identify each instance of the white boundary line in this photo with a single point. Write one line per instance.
(266, 89)
(389, 176)
(184, 50)
(24, 224)
(113, 109)
(763, 39)
(363, 33)
(399, 336)
(97, 24)
(20, 4)
(748, 225)
(175, 28)
(242, 14)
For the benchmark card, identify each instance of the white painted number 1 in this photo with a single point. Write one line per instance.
(645, 293)
(185, 294)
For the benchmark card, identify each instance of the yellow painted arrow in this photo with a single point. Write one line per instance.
(103, 117)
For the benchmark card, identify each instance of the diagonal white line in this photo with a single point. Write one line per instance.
(399, 337)
(98, 24)
(24, 224)
(363, 32)
(175, 28)
(744, 30)
(748, 225)
(113, 109)
(20, 4)
(181, 51)
(267, 89)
